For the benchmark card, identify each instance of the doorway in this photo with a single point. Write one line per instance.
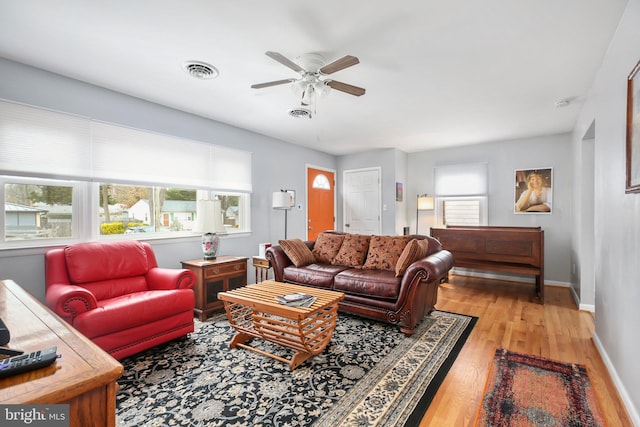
(361, 201)
(321, 185)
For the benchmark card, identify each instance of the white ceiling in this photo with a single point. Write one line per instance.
(437, 73)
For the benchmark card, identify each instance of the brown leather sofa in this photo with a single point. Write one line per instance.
(374, 293)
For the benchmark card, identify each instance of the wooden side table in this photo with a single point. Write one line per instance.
(84, 377)
(262, 267)
(212, 276)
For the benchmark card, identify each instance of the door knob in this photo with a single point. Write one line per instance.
(347, 225)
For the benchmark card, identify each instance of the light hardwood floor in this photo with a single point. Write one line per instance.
(508, 317)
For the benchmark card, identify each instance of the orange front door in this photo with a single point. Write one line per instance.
(321, 201)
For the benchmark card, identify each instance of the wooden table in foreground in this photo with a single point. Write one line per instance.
(84, 377)
(254, 311)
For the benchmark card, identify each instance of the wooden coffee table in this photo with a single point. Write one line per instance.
(254, 312)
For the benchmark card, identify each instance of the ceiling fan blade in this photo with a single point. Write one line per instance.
(274, 83)
(340, 64)
(285, 61)
(346, 88)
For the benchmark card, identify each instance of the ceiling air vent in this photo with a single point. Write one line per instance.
(300, 112)
(200, 70)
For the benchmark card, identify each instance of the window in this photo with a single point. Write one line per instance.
(461, 211)
(461, 194)
(130, 209)
(37, 209)
(321, 182)
(127, 181)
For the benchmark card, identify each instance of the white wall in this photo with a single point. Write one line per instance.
(503, 158)
(616, 216)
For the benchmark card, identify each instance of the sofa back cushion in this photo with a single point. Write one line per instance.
(415, 250)
(353, 251)
(298, 252)
(327, 246)
(99, 261)
(384, 252)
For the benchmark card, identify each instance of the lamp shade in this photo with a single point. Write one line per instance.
(209, 217)
(281, 200)
(425, 203)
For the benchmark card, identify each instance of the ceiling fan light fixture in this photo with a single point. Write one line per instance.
(200, 70)
(322, 88)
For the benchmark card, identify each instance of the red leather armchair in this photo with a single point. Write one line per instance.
(116, 295)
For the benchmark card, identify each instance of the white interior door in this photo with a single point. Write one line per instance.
(361, 201)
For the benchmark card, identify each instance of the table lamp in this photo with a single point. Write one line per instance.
(209, 223)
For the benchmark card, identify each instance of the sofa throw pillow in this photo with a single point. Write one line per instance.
(384, 252)
(297, 251)
(415, 249)
(353, 251)
(327, 247)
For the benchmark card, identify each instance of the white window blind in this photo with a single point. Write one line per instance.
(40, 142)
(231, 169)
(43, 143)
(128, 155)
(461, 180)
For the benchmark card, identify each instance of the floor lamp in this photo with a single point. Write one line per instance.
(425, 203)
(282, 200)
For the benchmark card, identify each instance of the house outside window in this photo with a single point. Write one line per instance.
(129, 209)
(37, 210)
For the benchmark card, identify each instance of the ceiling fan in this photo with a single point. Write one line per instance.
(312, 68)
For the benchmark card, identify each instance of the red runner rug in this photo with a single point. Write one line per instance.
(525, 390)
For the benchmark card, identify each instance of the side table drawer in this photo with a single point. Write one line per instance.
(217, 270)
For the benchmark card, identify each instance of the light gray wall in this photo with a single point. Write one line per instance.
(276, 164)
(402, 174)
(616, 214)
(503, 158)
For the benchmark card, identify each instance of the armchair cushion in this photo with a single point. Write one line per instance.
(138, 309)
(94, 261)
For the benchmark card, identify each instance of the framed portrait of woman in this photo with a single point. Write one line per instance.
(533, 191)
(633, 131)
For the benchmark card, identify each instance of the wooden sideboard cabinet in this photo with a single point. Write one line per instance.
(212, 276)
(84, 377)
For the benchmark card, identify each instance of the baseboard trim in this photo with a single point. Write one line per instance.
(507, 277)
(587, 307)
(628, 403)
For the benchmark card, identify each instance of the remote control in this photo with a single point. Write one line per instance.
(27, 362)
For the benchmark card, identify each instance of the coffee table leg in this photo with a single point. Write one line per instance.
(298, 359)
(239, 338)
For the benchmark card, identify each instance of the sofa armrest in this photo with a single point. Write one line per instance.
(68, 301)
(170, 278)
(435, 265)
(278, 260)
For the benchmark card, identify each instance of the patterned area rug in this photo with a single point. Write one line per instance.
(370, 374)
(525, 390)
